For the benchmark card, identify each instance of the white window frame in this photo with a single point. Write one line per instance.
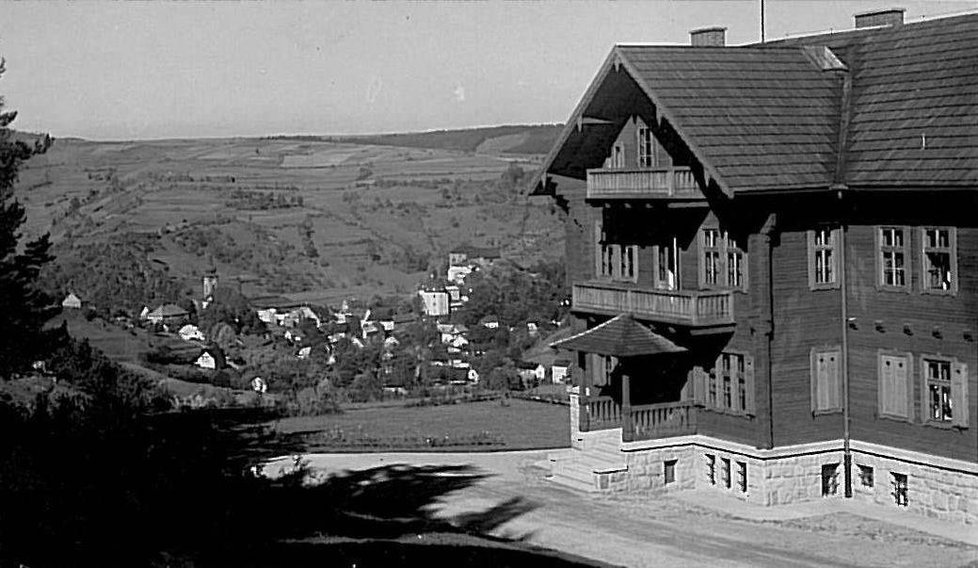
(925, 269)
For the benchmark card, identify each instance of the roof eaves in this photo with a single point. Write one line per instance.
(538, 185)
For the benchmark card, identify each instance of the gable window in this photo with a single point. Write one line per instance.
(945, 391)
(939, 258)
(730, 383)
(826, 380)
(895, 398)
(723, 262)
(894, 270)
(823, 258)
(646, 148)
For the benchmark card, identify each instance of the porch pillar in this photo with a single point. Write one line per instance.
(627, 428)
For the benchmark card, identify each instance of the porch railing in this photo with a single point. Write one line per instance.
(603, 413)
(685, 307)
(643, 183)
(653, 421)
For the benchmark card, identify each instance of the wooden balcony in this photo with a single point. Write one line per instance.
(645, 183)
(690, 308)
(653, 421)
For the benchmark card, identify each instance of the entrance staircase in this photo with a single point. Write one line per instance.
(590, 469)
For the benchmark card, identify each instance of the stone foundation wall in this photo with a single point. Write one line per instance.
(931, 491)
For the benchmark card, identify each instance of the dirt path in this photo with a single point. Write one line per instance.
(660, 530)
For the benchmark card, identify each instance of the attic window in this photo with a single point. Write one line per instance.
(823, 58)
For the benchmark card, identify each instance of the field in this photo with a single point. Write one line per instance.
(489, 425)
(319, 219)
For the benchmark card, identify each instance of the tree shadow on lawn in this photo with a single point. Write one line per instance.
(179, 490)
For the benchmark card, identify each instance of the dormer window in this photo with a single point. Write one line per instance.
(646, 148)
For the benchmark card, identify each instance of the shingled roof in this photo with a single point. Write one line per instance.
(767, 117)
(620, 336)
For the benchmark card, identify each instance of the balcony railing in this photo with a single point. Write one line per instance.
(658, 183)
(691, 308)
(654, 421)
(603, 413)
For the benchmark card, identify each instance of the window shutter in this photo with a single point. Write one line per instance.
(895, 374)
(699, 385)
(597, 249)
(887, 385)
(701, 250)
(810, 237)
(907, 383)
(833, 362)
(960, 406)
(814, 379)
(749, 383)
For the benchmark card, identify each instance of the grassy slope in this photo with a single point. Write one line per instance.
(520, 424)
(145, 185)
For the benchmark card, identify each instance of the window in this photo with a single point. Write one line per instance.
(830, 479)
(866, 475)
(646, 148)
(826, 380)
(742, 476)
(601, 368)
(723, 262)
(669, 471)
(823, 258)
(893, 266)
(711, 468)
(725, 472)
(901, 489)
(939, 258)
(945, 388)
(895, 380)
(618, 155)
(730, 383)
(667, 265)
(615, 261)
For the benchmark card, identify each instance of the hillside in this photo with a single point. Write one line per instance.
(316, 220)
(511, 139)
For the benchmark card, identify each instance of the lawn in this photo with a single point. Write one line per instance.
(489, 425)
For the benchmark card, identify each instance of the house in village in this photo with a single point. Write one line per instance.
(462, 261)
(559, 371)
(71, 302)
(167, 314)
(191, 332)
(434, 300)
(773, 252)
(211, 358)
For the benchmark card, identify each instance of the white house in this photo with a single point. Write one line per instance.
(458, 274)
(191, 332)
(434, 302)
(304, 353)
(560, 371)
(207, 360)
(72, 302)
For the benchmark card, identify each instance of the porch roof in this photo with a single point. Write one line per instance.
(621, 336)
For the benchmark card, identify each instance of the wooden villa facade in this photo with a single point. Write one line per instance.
(773, 252)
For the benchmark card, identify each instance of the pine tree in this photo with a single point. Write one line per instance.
(24, 308)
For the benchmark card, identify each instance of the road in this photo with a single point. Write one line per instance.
(664, 530)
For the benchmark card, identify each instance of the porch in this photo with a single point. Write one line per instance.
(638, 422)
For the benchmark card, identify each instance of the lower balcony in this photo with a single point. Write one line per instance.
(643, 422)
(690, 308)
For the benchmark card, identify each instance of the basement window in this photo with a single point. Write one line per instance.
(866, 476)
(830, 479)
(669, 471)
(742, 476)
(725, 472)
(711, 468)
(901, 489)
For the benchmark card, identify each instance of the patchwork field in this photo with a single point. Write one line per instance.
(321, 220)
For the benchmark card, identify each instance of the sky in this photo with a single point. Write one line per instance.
(115, 71)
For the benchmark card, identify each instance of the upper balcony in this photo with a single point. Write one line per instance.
(645, 183)
(689, 308)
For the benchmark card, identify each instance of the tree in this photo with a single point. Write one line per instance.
(25, 307)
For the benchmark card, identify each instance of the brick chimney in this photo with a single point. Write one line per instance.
(887, 17)
(708, 37)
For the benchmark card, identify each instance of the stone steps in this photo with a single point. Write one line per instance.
(588, 470)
